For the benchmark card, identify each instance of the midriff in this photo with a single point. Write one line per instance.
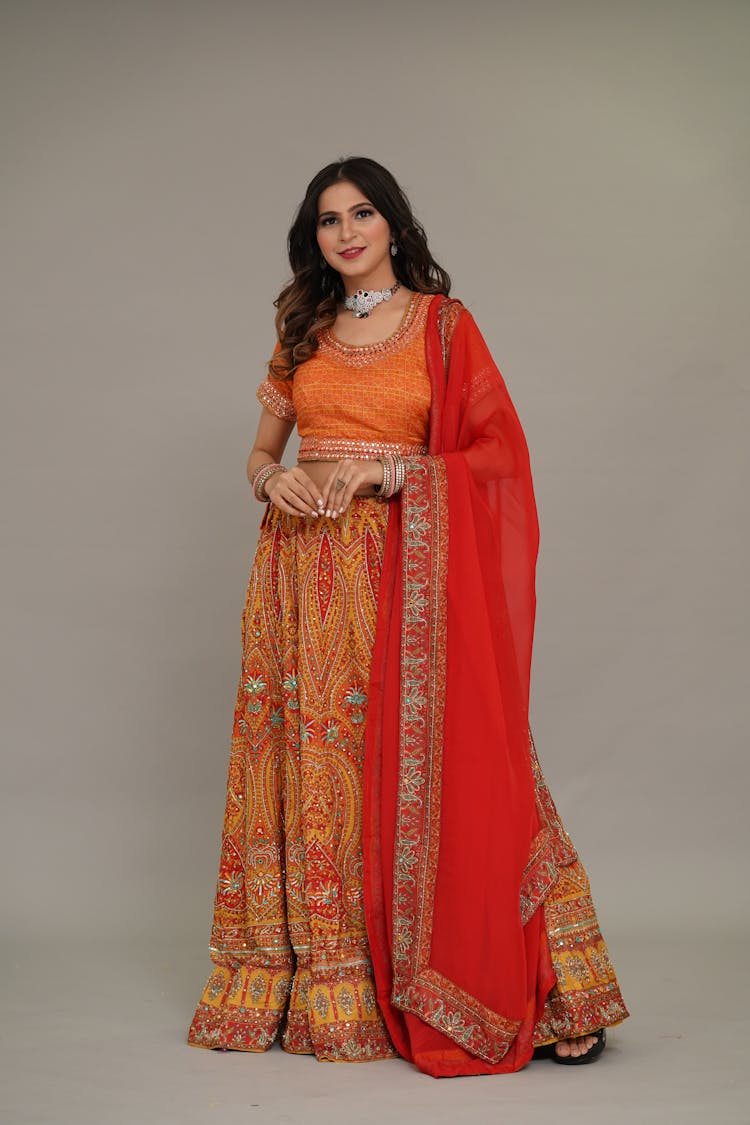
(319, 472)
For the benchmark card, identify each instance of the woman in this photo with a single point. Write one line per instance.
(394, 877)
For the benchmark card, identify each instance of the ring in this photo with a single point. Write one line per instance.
(340, 484)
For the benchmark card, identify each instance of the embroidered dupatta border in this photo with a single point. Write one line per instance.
(423, 660)
(417, 988)
(551, 849)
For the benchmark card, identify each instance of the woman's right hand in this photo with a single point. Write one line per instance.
(294, 492)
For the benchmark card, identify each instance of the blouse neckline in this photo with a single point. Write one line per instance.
(329, 337)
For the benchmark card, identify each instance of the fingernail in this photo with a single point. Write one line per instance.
(328, 512)
(320, 502)
(313, 514)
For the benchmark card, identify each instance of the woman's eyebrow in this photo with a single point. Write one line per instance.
(354, 208)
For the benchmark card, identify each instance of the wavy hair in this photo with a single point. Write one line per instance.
(308, 303)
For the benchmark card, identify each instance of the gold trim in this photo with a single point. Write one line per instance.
(335, 449)
(272, 398)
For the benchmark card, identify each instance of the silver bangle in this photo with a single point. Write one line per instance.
(400, 472)
(384, 487)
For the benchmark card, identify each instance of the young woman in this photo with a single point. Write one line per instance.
(394, 877)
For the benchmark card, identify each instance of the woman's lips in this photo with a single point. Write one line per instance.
(353, 253)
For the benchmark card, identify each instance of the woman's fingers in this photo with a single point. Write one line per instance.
(292, 495)
(341, 486)
(296, 492)
(346, 494)
(310, 491)
(327, 491)
(289, 504)
(334, 488)
(282, 505)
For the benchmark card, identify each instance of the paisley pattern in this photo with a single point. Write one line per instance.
(288, 939)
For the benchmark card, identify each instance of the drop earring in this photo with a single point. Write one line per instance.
(394, 248)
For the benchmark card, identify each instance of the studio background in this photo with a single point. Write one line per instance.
(582, 172)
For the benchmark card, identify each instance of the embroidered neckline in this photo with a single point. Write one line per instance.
(329, 339)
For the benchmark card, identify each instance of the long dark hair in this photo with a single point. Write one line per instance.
(308, 303)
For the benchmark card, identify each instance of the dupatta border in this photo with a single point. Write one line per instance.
(424, 522)
(464, 1019)
(551, 849)
(417, 988)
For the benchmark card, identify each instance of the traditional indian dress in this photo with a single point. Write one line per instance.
(394, 877)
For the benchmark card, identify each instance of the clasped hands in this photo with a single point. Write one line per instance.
(295, 493)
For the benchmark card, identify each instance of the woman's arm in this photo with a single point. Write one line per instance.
(270, 442)
(292, 491)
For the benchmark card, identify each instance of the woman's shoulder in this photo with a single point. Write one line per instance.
(448, 313)
(449, 307)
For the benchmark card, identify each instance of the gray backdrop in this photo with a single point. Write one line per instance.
(582, 171)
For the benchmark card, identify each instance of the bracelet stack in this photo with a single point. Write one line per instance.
(394, 475)
(260, 476)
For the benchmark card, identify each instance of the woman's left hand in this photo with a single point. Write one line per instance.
(345, 479)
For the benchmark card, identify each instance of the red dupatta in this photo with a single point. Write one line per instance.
(456, 860)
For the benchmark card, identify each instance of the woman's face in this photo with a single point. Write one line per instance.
(347, 221)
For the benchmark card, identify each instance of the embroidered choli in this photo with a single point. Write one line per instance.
(359, 400)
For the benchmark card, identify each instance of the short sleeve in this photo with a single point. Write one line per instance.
(277, 395)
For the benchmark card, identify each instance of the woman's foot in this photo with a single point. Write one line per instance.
(575, 1050)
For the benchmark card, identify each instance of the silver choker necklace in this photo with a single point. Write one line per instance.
(364, 300)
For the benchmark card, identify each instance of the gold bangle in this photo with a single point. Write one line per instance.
(264, 473)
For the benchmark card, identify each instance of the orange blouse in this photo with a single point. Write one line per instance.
(359, 400)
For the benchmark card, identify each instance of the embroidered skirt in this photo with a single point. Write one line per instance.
(288, 939)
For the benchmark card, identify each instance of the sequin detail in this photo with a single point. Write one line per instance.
(276, 396)
(414, 317)
(448, 314)
(334, 449)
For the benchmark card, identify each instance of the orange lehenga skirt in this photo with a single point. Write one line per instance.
(288, 940)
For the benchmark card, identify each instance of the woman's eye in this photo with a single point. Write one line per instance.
(367, 211)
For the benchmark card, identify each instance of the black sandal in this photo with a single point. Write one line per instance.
(548, 1051)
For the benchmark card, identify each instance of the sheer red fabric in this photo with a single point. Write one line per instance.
(450, 811)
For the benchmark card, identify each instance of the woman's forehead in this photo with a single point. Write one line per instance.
(342, 196)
